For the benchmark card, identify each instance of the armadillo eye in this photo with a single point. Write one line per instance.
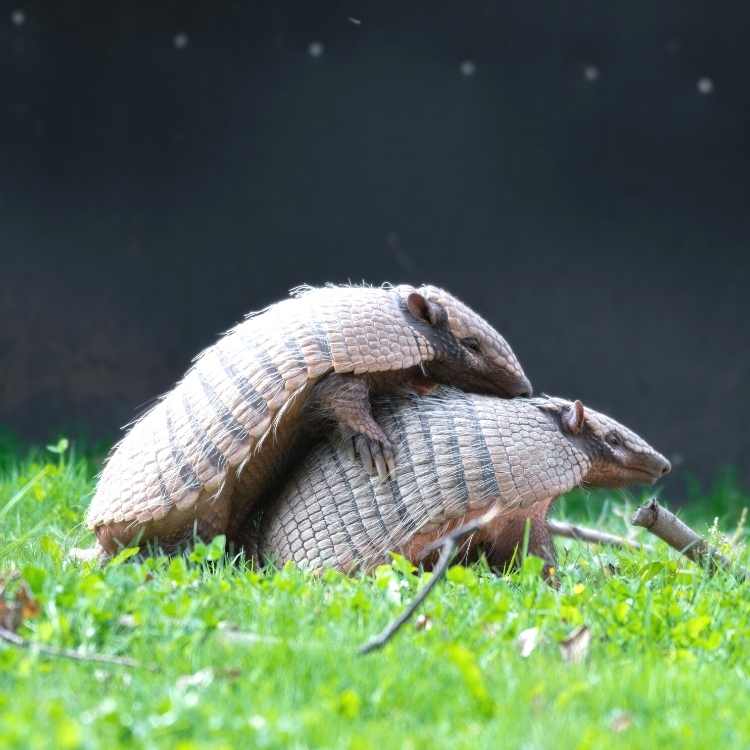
(613, 439)
(471, 342)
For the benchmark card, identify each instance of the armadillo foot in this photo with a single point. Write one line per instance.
(96, 554)
(346, 398)
(503, 541)
(376, 455)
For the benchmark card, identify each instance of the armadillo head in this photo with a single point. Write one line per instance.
(464, 349)
(615, 455)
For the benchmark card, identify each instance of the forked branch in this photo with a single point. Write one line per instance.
(593, 536)
(450, 543)
(13, 639)
(652, 516)
(678, 535)
(447, 546)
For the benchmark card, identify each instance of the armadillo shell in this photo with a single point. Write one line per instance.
(214, 419)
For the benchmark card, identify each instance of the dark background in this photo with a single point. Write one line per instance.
(576, 171)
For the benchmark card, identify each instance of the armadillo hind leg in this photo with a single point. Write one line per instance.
(542, 545)
(247, 540)
(346, 400)
(205, 520)
(213, 518)
(502, 544)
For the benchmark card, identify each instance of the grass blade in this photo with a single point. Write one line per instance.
(18, 496)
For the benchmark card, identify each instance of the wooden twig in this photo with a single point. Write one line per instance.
(678, 535)
(447, 546)
(594, 536)
(651, 516)
(8, 636)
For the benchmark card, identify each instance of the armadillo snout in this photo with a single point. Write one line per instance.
(524, 388)
(515, 387)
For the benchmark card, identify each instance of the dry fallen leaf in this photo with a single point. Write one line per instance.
(611, 569)
(202, 678)
(423, 622)
(18, 606)
(527, 641)
(230, 634)
(29, 605)
(575, 647)
(621, 721)
(229, 673)
(491, 629)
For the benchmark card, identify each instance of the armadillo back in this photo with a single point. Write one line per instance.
(181, 451)
(456, 454)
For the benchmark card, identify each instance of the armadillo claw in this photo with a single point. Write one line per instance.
(376, 456)
(382, 468)
(362, 447)
(348, 446)
(390, 459)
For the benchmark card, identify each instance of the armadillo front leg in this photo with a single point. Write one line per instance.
(346, 399)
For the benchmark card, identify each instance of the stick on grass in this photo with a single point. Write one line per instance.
(447, 545)
(13, 639)
(593, 536)
(678, 535)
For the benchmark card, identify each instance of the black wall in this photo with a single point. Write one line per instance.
(578, 188)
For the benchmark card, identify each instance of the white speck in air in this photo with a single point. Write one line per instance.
(591, 73)
(315, 49)
(181, 40)
(355, 21)
(468, 68)
(705, 86)
(18, 17)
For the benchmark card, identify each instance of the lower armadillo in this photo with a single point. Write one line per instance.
(198, 460)
(457, 454)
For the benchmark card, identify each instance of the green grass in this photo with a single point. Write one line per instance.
(237, 658)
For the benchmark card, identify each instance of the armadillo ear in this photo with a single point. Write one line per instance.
(572, 418)
(424, 310)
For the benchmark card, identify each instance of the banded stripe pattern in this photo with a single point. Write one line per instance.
(219, 413)
(456, 454)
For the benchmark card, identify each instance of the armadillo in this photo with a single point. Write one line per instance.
(457, 455)
(200, 458)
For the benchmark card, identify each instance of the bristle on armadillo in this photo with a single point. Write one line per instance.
(191, 459)
(224, 406)
(457, 453)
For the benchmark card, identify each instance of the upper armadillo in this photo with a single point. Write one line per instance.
(199, 458)
(457, 454)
